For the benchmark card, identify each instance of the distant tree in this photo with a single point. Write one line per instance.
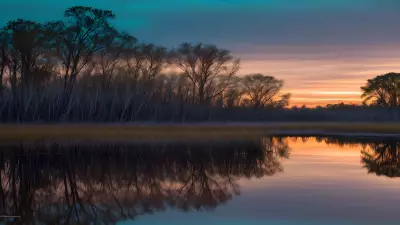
(203, 65)
(263, 91)
(383, 90)
(340, 105)
(4, 56)
(145, 61)
(107, 60)
(232, 96)
(282, 101)
(155, 59)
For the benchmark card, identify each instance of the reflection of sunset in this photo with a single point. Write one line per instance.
(311, 147)
(112, 182)
(311, 161)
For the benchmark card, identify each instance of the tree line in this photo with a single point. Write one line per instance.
(82, 68)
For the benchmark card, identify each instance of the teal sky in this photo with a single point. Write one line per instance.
(265, 22)
(323, 49)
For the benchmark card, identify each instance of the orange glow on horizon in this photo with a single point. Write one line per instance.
(318, 78)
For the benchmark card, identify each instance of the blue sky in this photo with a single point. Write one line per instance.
(301, 41)
(264, 22)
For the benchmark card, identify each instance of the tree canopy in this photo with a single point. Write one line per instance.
(383, 90)
(262, 91)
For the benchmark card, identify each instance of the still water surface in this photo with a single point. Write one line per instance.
(270, 180)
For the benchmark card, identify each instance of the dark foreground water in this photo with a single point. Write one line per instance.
(270, 180)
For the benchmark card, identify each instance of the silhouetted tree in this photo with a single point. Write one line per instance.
(4, 56)
(262, 91)
(86, 32)
(233, 93)
(83, 69)
(383, 90)
(204, 64)
(106, 61)
(28, 41)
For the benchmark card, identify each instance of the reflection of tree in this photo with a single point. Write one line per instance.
(275, 148)
(383, 159)
(379, 156)
(106, 183)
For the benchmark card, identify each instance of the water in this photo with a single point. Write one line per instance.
(269, 180)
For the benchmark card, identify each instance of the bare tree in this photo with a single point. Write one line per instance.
(155, 60)
(4, 56)
(87, 31)
(82, 69)
(263, 91)
(106, 61)
(233, 94)
(203, 64)
(145, 61)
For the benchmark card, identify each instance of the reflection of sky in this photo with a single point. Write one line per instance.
(332, 45)
(320, 184)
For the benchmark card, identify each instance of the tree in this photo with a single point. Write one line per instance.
(87, 31)
(203, 64)
(155, 59)
(263, 91)
(24, 47)
(4, 56)
(232, 95)
(105, 62)
(83, 69)
(383, 90)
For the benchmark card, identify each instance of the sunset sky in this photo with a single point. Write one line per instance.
(323, 49)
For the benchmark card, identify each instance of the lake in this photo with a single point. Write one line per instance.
(265, 180)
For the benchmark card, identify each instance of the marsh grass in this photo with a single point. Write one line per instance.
(190, 131)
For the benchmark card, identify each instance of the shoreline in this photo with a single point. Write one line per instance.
(192, 131)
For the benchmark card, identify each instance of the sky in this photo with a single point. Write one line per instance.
(324, 50)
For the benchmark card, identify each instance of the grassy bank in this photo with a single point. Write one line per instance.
(187, 131)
